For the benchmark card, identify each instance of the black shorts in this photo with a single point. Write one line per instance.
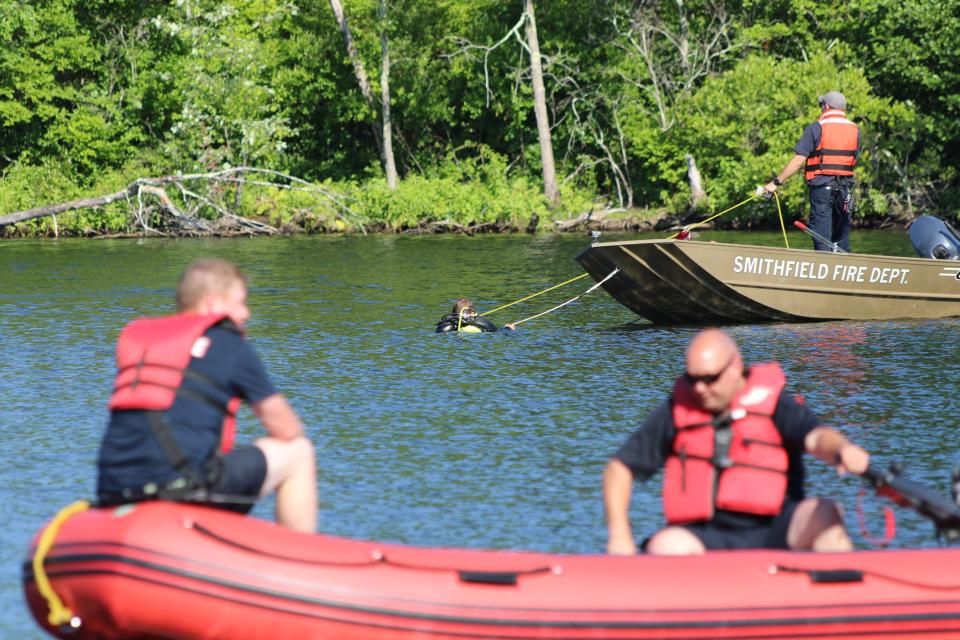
(768, 535)
(242, 475)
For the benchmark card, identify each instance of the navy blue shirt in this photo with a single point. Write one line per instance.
(809, 142)
(130, 455)
(646, 450)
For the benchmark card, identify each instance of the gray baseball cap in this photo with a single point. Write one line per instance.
(834, 99)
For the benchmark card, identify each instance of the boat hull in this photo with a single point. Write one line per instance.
(691, 282)
(176, 571)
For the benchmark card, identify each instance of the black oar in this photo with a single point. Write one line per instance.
(941, 510)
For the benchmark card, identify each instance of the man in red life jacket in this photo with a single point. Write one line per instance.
(829, 148)
(731, 442)
(180, 381)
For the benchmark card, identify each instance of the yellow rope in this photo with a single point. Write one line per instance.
(782, 227)
(573, 299)
(59, 614)
(584, 275)
(487, 313)
(697, 224)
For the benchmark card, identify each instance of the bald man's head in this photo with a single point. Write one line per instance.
(714, 369)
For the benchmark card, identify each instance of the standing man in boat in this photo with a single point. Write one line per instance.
(829, 148)
(731, 441)
(179, 384)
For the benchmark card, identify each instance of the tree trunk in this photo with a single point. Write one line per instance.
(697, 194)
(359, 71)
(540, 109)
(389, 165)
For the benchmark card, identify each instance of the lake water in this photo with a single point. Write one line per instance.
(484, 441)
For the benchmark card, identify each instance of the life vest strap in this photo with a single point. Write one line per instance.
(141, 363)
(191, 393)
(194, 495)
(835, 167)
(834, 152)
(740, 465)
(171, 450)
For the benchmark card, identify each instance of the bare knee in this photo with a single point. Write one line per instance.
(674, 541)
(301, 451)
(297, 450)
(817, 524)
(285, 458)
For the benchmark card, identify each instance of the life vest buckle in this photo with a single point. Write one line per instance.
(722, 436)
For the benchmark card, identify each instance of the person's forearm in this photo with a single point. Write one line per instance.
(835, 449)
(796, 162)
(278, 418)
(617, 488)
(825, 443)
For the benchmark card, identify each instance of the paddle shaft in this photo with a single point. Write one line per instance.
(814, 234)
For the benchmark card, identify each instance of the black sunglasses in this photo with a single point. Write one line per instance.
(707, 378)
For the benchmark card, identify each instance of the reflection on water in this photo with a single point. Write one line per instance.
(831, 353)
(493, 440)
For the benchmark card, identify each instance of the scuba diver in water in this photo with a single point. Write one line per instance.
(464, 319)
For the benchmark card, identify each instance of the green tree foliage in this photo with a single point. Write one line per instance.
(907, 51)
(98, 93)
(229, 113)
(50, 103)
(743, 126)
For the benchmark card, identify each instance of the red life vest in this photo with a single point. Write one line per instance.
(836, 155)
(152, 358)
(748, 475)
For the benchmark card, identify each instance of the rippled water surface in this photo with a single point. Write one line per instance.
(494, 440)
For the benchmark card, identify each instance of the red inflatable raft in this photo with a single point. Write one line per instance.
(179, 571)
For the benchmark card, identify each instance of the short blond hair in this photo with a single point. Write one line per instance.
(207, 275)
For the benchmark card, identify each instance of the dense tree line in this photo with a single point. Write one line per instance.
(98, 93)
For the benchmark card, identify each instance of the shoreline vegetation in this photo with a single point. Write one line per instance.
(467, 116)
(246, 201)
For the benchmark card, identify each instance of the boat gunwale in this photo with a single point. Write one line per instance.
(703, 243)
(722, 621)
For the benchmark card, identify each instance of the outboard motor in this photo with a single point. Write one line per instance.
(933, 238)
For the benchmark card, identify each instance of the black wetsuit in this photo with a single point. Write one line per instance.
(448, 324)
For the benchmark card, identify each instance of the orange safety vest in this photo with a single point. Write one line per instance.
(836, 155)
(152, 359)
(735, 462)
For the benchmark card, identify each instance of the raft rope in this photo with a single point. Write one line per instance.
(779, 568)
(374, 558)
(575, 298)
(539, 293)
(59, 614)
(890, 522)
(688, 228)
(783, 229)
(685, 231)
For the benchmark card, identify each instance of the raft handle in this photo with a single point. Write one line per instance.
(823, 576)
(505, 578)
(836, 575)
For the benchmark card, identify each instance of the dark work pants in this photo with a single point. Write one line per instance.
(828, 218)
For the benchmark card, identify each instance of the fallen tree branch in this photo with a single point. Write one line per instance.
(584, 218)
(155, 187)
(54, 209)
